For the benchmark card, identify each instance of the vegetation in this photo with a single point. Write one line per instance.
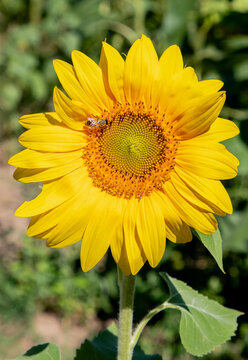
(213, 37)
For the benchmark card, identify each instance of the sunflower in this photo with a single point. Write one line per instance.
(130, 158)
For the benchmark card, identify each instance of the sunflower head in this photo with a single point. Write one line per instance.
(130, 157)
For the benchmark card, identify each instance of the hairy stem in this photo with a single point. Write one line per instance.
(127, 287)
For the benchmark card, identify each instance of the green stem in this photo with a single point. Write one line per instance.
(127, 287)
(140, 327)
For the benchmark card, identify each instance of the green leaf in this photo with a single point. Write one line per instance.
(213, 243)
(41, 352)
(204, 323)
(104, 347)
(113, 328)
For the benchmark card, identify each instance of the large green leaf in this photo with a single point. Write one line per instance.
(213, 243)
(104, 347)
(204, 323)
(41, 352)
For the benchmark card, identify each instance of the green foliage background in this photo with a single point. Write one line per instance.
(213, 36)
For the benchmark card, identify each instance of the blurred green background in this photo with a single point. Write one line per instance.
(36, 281)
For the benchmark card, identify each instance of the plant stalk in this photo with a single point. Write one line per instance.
(127, 288)
(140, 327)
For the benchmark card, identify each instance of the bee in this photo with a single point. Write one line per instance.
(93, 123)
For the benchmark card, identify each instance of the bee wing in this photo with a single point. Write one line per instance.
(91, 122)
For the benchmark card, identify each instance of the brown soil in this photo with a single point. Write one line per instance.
(16, 339)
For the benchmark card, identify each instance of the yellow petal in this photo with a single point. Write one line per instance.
(181, 235)
(71, 226)
(62, 216)
(39, 120)
(112, 65)
(211, 161)
(31, 159)
(53, 194)
(220, 130)
(53, 139)
(40, 175)
(208, 86)
(185, 86)
(71, 114)
(68, 79)
(67, 222)
(198, 115)
(170, 62)
(191, 102)
(46, 221)
(176, 230)
(202, 221)
(99, 233)
(186, 78)
(91, 80)
(71, 239)
(43, 235)
(73, 222)
(151, 229)
(212, 191)
(193, 197)
(140, 69)
(179, 87)
(182, 82)
(118, 245)
(135, 253)
(123, 262)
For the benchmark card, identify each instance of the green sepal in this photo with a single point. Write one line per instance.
(204, 323)
(213, 243)
(41, 352)
(104, 347)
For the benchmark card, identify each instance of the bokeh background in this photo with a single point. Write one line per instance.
(44, 296)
